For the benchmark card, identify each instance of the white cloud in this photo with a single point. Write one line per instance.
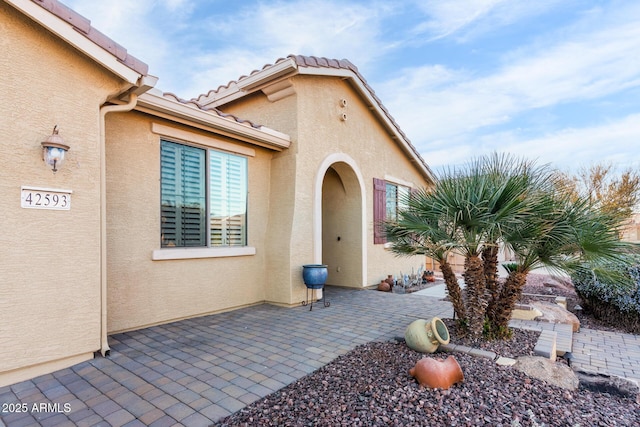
(268, 31)
(463, 19)
(133, 24)
(610, 142)
(569, 149)
(193, 54)
(436, 105)
(309, 27)
(448, 17)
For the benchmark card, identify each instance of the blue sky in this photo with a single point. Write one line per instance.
(553, 80)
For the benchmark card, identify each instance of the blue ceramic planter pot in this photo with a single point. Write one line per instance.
(314, 275)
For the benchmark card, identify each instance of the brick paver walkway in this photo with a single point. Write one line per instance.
(196, 371)
(609, 353)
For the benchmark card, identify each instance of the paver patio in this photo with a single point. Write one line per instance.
(196, 371)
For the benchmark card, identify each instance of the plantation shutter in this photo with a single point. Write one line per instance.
(217, 205)
(183, 195)
(236, 200)
(379, 209)
(228, 199)
(193, 187)
(169, 192)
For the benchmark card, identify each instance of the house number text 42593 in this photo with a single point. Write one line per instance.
(42, 198)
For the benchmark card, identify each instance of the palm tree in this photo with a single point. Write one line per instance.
(542, 240)
(492, 201)
(421, 230)
(560, 234)
(492, 195)
(466, 213)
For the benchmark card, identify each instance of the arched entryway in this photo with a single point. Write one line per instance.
(339, 221)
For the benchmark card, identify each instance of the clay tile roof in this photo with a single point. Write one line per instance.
(316, 62)
(195, 104)
(83, 26)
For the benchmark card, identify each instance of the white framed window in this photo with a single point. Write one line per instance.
(396, 199)
(203, 197)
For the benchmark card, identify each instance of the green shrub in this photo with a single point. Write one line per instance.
(612, 293)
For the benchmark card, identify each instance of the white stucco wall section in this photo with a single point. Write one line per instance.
(317, 207)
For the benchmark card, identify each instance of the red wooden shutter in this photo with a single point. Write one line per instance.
(379, 209)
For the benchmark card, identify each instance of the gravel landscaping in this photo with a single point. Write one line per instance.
(370, 386)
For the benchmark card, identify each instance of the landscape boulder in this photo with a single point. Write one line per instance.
(611, 384)
(555, 313)
(554, 373)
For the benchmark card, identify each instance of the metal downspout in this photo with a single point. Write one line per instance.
(104, 110)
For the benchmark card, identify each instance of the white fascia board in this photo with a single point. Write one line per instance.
(66, 32)
(267, 75)
(241, 88)
(264, 136)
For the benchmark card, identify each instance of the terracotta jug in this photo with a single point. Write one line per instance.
(437, 373)
(384, 286)
(390, 281)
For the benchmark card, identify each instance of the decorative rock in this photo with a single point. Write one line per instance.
(437, 373)
(505, 361)
(561, 301)
(544, 369)
(555, 313)
(611, 384)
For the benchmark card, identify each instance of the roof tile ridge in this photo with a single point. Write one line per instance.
(236, 81)
(323, 62)
(196, 104)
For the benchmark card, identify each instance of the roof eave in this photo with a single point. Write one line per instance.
(156, 104)
(69, 34)
(287, 68)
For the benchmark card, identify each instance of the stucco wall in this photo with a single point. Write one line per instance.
(278, 219)
(142, 291)
(313, 119)
(50, 268)
(363, 139)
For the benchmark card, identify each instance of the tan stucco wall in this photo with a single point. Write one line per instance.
(341, 226)
(50, 268)
(142, 291)
(312, 117)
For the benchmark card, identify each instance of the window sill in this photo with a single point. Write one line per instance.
(195, 253)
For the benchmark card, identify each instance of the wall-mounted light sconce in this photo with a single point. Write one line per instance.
(54, 150)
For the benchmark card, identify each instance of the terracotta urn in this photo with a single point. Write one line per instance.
(426, 336)
(384, 286)
(437, 373)
(428, 276)
(390, 281)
